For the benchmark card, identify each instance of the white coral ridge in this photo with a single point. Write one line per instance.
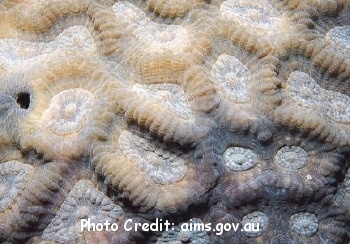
(240, 159)
(163, 167)
(83, 202)
(171, 95)
(259, 14)
(75, 38)
(308, 94)
(161, 36)
(232, 77)
(68, 111)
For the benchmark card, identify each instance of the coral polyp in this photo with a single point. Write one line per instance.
(239, 159)
(174, 121)
(305, 224)
(291, 157)
(68, 111)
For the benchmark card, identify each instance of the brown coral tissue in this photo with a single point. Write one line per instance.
(174, 121)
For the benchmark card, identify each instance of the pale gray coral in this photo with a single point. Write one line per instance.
(307, 104)
(291, 157)
(129, 15)
(163, 167)
(73, 38)
(83, 202)
(232, 78)
(308, 94)
(340, 36)
(303, 89)
(240, 159)
(305, 224)
(137, 23)
(260, 13)
(171, 95)
(257, 221)
(14, 176)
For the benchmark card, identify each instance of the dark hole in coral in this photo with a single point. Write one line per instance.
(23, 100)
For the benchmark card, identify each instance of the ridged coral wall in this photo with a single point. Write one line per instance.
(202, 111)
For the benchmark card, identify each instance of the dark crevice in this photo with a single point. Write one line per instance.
(23, 100)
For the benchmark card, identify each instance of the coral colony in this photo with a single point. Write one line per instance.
(175, 121)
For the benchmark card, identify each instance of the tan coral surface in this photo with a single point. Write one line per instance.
(197, 112)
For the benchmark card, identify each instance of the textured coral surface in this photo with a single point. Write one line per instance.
(192, 111)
